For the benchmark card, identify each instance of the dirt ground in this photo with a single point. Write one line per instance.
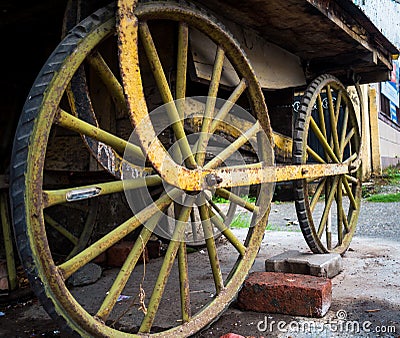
(367, 291)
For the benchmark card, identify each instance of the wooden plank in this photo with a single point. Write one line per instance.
(317, 31)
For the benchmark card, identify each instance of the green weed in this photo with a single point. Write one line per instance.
(241, 221)
(218, 199)
(384, 198)
(392, 174)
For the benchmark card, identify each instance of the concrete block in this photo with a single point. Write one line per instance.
(291, 294)
(293, 261)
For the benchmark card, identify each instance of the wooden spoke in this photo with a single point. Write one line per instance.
(127, 268)
(322, 126)
(165, 92)
(216, 77)
(315, 155)
(317, 194)
(345, 220)
(181, 69)
(322, 139)
(211, 248)
(225, 109)
(181, 72)
(210, 106)
(338, 105)
(85, 256)
(349, 192)
(339, 202)
(344, 130)
(333, 120)
(165, 269)
(73, 123)
(351, 179)
(54, 197)
(350, 159)
(348, 137)
(184, 282)
(328, 205)
(216, 208)
(114, 87)
(229, 235)
(219, 159)
(228, 105)
(57, 226)
(156, 66)
(228, 195)
(321, 116)
(193, 222)
(328, 232)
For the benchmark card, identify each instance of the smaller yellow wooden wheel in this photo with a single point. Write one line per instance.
(326, 131)
(170, 301)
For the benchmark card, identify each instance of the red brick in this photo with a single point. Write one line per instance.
(100, 259)
(232, 335)
(117, 254)
(285, 293)
(154, 249)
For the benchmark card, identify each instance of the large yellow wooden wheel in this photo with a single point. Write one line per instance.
(91, 47)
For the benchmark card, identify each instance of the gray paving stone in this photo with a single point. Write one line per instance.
(89, 274)
(293, 261)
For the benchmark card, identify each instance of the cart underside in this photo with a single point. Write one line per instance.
(328, 36)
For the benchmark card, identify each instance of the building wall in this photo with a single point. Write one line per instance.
(385, 14)
(389, 139)
(386, 132)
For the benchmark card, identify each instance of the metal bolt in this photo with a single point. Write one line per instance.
(213, 180)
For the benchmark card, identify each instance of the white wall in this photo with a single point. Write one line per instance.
(389, 139)
(385, 14)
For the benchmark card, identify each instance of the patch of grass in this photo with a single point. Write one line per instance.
(384, 198)
(392, 174)
(272, 227)
(365, 192)
(241, 221)
(249, 199)
(218, 199)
